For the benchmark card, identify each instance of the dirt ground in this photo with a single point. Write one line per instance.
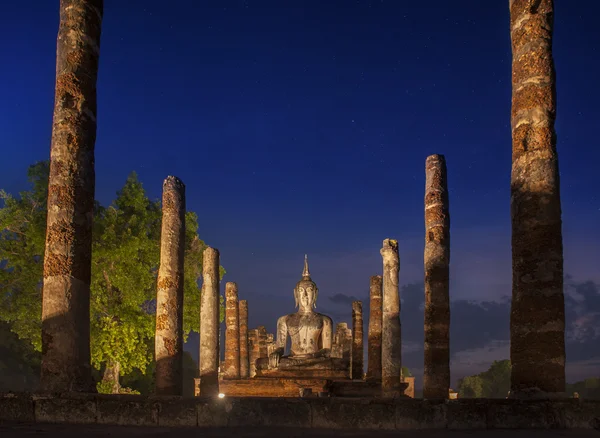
(93, 431)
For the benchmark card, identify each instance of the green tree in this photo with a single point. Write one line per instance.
(497, 379)
(406, 372)
(493, 383)
(22, 239)
(126, 251)
(471, 387)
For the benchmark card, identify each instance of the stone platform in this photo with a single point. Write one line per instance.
(271, 387)
(317, 413)
(100, 431)
(290, 387)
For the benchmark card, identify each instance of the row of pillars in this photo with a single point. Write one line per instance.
(384, 336)
(384, 332)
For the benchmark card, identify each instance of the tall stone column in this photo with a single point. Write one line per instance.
(374, 335)
(209, 324)
(168, 339)
(262, 341)
(244, 359)
(357, 341)
(391, 341)
(253, 351)
(537, 323)
(436, 373)
(232, 332)
(68, 253)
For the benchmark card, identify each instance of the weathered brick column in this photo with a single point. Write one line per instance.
(262, 341)
(253, 351)
(68, 253)
(232, 332)
(436, 373)
(375, 322)
(168, 340)
(537, 323)
(209, 324)
(391, 342)
(357, 341)
(244, 359)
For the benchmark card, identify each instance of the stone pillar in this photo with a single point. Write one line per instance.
(209, 324)
(271, 345)
(262, 342)
(232, 332)
(168, 339)
(391, 341)
(375, 321)
(71, 185)
(537, 322)
(436, 373)
(253, 351)
(357, 341)
(244, 359)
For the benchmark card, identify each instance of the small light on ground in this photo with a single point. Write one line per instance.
(221, 395)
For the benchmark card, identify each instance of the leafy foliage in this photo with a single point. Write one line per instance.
(586, 389)
(22, 240)
(493, 383)
(125, 259)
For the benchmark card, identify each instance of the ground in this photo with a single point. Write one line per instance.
(93, 431)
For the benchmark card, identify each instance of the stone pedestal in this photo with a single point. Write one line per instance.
(375, 322)
(232, 333)
(209, 324)
(168, 345)
(357, 341)
(391, 342)
(436, 372)
(244, 359)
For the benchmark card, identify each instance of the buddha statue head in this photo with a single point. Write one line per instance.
(306, 291)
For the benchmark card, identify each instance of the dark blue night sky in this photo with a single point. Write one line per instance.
(303, 127)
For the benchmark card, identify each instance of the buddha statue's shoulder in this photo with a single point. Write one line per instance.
(283, 319)
(325, 318)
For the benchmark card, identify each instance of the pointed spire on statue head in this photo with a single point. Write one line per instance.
(305, 272)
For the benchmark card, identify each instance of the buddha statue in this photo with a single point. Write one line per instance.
(310, 332)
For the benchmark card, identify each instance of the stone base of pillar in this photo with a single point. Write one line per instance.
(207, 386)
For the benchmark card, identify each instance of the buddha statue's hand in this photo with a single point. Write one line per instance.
(274, 359)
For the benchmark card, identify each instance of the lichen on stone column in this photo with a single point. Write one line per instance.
(168, 340)
(232, 332)
(244, 358)
(436, 372)
(391, 342)
(209, 324)
(357, 341)
(537, 323)
(65, 362)
(375, 322)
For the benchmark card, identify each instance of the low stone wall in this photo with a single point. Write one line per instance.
(333, 413)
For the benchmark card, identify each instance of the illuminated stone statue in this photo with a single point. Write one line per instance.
(310, 332)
